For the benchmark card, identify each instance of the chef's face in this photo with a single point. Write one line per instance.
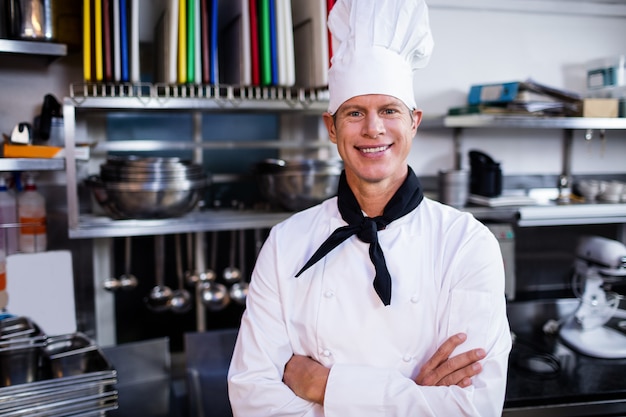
(373, 134)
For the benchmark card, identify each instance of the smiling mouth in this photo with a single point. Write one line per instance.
(374, 150)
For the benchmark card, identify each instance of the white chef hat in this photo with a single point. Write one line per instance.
(377, 44)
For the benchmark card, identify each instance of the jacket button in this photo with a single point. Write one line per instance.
(326, 353)
(329, 294)
(407, 358)
(414, 299)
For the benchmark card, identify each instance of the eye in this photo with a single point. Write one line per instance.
(354, 113)
(390, 111)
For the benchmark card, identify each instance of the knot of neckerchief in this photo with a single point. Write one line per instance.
(405, 200)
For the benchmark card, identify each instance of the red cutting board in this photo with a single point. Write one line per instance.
(254, 43)
(107, 44)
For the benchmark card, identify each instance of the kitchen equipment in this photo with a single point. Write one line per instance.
(147, 188)
(41, 283)
(191, 275)
(72, 354)
(32, 19)
(50, 109)
(16, 327)
(213, 295)
(239, 290)
(127, 280)
(158, 300)
(485, 175)
(599, 262)
(181, 299)
(453, 187)
(231, 273)
(20, 360)
(298, 184)
(55, 376)
(21, 133)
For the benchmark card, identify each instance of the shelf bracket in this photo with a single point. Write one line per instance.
(565, 179)
(458, 155)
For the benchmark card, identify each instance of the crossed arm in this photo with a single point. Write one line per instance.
(307, 378)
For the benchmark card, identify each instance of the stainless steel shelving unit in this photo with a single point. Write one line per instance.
(499, 121)
(542, 215)
(31, 164)
(89, 98)
(48, 49)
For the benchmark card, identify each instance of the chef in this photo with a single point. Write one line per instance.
(377, 302)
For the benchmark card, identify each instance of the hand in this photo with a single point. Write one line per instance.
(443, 370)
(307, 378)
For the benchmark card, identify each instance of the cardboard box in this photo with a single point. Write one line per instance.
(600, 107)
(42, 151)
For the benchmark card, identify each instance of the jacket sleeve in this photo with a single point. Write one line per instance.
(255, 385)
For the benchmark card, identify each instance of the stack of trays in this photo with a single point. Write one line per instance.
(44, 376)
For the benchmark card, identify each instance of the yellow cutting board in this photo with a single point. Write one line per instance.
(41, 287)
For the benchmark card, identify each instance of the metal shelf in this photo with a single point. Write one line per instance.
(88, 98)
(186, 97)
(48, 49)
(32, 164)
(159, 145)
(522, 122)
(572, 214)
(93, 226)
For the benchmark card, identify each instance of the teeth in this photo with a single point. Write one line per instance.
(373, 150)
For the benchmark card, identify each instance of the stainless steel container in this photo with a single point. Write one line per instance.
(20, 361)
(32, 19)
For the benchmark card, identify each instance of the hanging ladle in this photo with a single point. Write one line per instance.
(214, 295)
(160, 296)
(191, 275)
(231, 273)
(127, 280)
(181, 298)
(239, 290)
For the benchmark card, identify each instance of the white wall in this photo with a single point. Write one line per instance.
(474, 46)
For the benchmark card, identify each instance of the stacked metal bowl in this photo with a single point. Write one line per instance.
(298, 184)
(132, 187)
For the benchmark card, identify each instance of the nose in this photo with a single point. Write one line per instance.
(373, 126)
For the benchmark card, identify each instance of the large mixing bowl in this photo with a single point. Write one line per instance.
(148, 188)
(148, 200)
(298, 184)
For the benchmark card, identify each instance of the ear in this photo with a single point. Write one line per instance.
(416, 116)
(330, 126)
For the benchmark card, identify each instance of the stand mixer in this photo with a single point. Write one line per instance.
(599, 262)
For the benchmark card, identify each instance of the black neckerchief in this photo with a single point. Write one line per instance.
(405, 200)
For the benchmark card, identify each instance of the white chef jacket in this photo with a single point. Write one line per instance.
(447, 277)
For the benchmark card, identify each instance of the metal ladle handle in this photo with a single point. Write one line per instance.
(179, 261)
(159, 256)
(242, 253)
(127, 254)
